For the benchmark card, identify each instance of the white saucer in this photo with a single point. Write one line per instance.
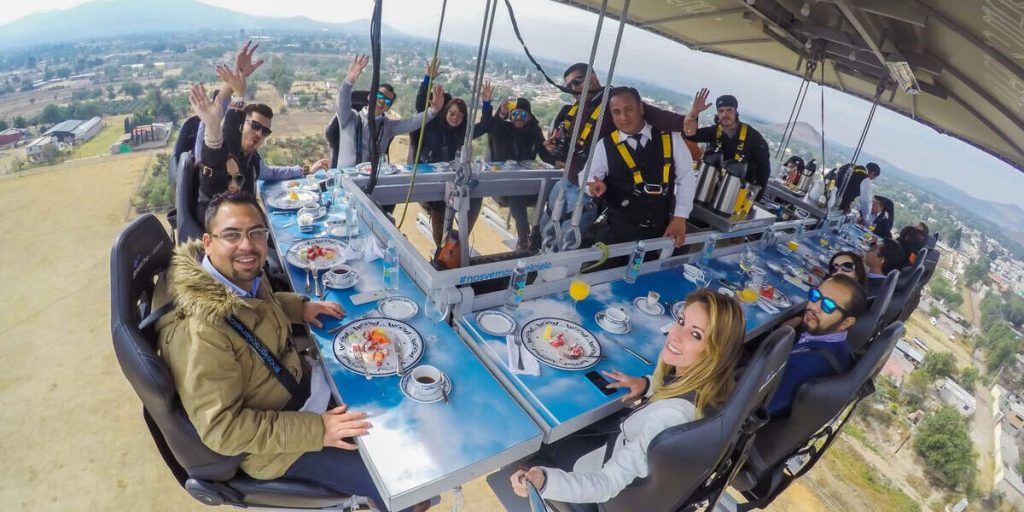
(645, 306)
(495, 323)
(406, 386)
(727, 292)
(398, 308)
(329, 282)
(626, 326)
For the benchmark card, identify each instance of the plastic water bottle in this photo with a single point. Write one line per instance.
(633, 270)
(768, 239)
(351, 220)
(799, 231)
(516, 285)
(709, 250)
(391, 267)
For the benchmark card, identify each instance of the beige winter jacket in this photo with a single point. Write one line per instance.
(233, 400)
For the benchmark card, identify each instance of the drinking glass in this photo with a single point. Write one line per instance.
(749, 259)
(436, 310)
(578, 290)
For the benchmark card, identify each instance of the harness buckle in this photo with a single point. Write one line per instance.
(653, 189)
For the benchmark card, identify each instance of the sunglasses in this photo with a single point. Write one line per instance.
(237, 179)
(520, 114)
(234, 237)
(258, 126)
(845, 267)
(828, 306)
(383, 97)
(575, 82)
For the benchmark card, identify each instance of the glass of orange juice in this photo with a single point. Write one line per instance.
(793, 245)
(578, 290)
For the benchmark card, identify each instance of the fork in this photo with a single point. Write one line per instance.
(308, 286)
(316, 278)
(519, 352)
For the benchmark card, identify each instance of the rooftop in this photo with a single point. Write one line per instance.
(66, 126)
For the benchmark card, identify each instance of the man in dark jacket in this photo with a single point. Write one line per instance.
(821, 349)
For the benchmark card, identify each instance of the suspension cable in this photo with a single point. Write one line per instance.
(423, 118)
(798, 106)
(572, 238)
(371, 112)
(515, 28)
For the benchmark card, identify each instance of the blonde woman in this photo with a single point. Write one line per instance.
(694, 374)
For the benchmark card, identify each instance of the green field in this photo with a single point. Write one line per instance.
(100, 144)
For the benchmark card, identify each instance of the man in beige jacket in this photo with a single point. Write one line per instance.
(230, 394)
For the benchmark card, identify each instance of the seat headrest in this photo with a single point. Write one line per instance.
(869, 324)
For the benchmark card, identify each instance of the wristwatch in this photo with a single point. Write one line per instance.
(237, 101)
(305, 169)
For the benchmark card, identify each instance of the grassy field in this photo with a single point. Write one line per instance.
(113, 129)
(848, 467)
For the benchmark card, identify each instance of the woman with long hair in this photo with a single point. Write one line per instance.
(694, 375)
(849, 264)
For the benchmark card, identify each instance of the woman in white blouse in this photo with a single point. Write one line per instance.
(694, 373)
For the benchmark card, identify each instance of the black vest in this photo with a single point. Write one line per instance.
(640, 208)
(852, 189)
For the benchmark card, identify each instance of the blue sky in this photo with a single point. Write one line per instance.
(913, 147)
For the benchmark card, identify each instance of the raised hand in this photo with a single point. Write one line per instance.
(433, 68)
(486, 90)
(635, 385)
(243, 59)
(356, 68)
(340, 423)
(209, 112)
(437, 100)
(700, 101)
(234, 79)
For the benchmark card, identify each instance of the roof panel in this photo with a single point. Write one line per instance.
(968, 57)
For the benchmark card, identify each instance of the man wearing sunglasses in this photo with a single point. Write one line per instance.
(240, 153)
(354, 127)
(821, 349)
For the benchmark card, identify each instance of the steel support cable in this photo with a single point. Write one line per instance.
(371, 112)
(423, 119)
(572, 237)
(798, 106)
(841, 190)
(515, 28)
(551, 233)
(464, 172)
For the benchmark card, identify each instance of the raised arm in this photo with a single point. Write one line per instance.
(486, 111)
(344, 103)
(700, 104)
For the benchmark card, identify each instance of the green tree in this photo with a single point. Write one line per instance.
(170, 83)
(938, 365)
(3, 125)
(133, 89)
(942, 290)
(977, 272)
(281, 75)
(968, 378)
(19, 122)
(943, 443)
(51, 114)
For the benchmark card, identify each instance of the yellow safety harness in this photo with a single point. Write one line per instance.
(742, 144)
(588, 128)
(639, 184)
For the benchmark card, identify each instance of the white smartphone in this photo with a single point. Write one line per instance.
(363, 298)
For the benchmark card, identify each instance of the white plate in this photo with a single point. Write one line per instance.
(767, 307)
(610, 327)
(677, 308)
(341, 231)
(781, 300)
(643, 305)
(775, 267)
(783, 248)
(533, 340)
(398, 307)
(495, 323)
(728, 293)
(409, 391)
(399, 332)
(294, 257)
(282, 199)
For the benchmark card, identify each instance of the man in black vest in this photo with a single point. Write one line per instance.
(730, 137)
(644, 175)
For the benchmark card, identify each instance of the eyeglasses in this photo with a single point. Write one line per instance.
(846, 266)
(383, 97)
(234, 237)
(575, 82)
(258, 126)
(828, 306)
(520, 114)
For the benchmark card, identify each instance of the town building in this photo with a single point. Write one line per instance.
(956, 396)
(10, 137)
(74, 131)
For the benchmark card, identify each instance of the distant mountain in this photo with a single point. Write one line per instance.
(803, 132)
(112, 18)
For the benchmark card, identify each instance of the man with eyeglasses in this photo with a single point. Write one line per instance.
(821, 350)
(354, 127)
(884, 256)
(225, 381)
(236, 146)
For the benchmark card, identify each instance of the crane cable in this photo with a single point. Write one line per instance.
(423, 119)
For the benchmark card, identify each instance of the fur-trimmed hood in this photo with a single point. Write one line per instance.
(195, 291)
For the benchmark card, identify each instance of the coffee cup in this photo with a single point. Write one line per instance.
(305, 222)
(426, 380)
(616, 317)
(692, 273)
(652, 298)
(341, 276)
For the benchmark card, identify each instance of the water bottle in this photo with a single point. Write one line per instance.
(516, 285)
(768, 239)
(635, 261)
(799, 231)
(709, 250)
(351, 220)
(391, 267)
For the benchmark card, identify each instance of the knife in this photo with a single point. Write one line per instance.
(307, 279)
(627, 349)
(398, 358)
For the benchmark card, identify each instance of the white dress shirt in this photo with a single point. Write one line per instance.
(686, 181)
(865, 200)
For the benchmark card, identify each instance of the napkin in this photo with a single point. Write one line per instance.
(530, 364)
(365, 249)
